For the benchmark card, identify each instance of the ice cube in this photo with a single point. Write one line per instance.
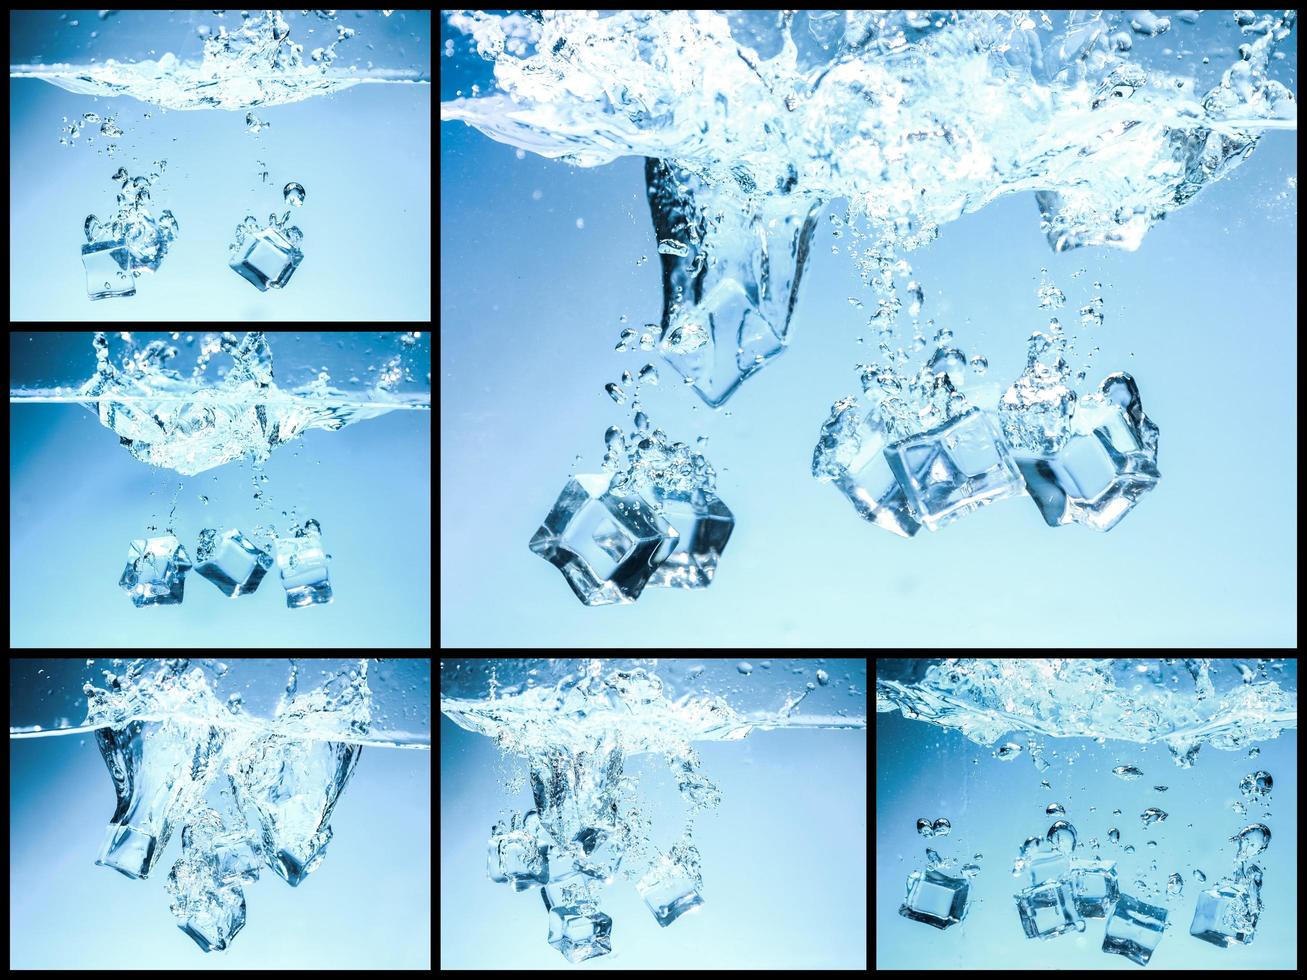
(726, 316)
(231, 561)
(303, 566)
(1107, 465)
(1134, 929)
(936, 899)
(521, 860)
(1225, 914)
(606, 545)
(211, 913)
(669, 891)
(1046, 866)
(108, 268)
(580, 932)
(1094, 884)
(954, 468)
(1048, 910)
(156, 571)
(704, 525)
(850, 453)
(266, 259)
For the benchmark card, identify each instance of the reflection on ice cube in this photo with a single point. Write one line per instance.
(156, 571)
(303, 566)
(1048, 910)
(266, 259)
(1134, 929)
(580, 932)
(1094, 884)
(108, 268)
(1224, 915)
(935, 899)
(231, 562)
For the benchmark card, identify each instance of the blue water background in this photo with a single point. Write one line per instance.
(363, 156)
(1204, 315)
(925, 771)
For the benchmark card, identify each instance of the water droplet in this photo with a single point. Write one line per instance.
(615, 393)
(294, 194)
(1045, 784)
(1153, 815)
(1199, 874)
(90, 117)
(1008, 752)
(254, 124)
(110, 128)
(942, 827)
(979, 364)
(1161, 789)
(925, 828)
(204, 499)
(1114, 835)
(1254, 752)
(1252, 840)
(1258, 782)
(1031, 846)
(1053, 808)
(1062, 836)
(649, 375)
(1152, 843)
(1128, 773)
(1129, 848)
(970, 870)
(823, 678)
(1116, 813)
(977, 857)
(744, 667)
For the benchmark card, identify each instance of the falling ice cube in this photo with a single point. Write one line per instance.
(731, 283)
(580, 932)
(850, 453)
(231, 561)
(108, 268)
(1109, 462)
(1134, 929)
(1045, 866)
(954, 468)
(156, 571)
(303, 565)
(704, 525)
(1048, 910)
(208, 911)
(936, 899)
(1225, 914)
(1094, 884)
(520, 860)
(266, 259)
(669, 890)
(607, 545)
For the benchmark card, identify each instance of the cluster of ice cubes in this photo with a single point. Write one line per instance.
(118, 250)
(156, 569)
(1086, 462)
(657, 521)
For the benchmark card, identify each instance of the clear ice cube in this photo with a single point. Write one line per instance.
(850, 453)
(1094, 884)
(704, 525)
(231, 561)
(266, 259)
(208, 911)
(580, 932)
(954, 468)
(731, 275)
(303, 565)
(108, 267)
(156, 571)
(1046, 866)
(1107, 465)
(1134, 929)
(1225, 914)
(669, 890)
(935, 899)
(1048, 910)
(606, 545)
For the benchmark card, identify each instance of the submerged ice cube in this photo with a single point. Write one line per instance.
(156, 571)
(210, 912)
(954, 468)
(266, 259)
(303, 565)
(1094, 884)
(1134, 929)
(606, 545)
(108, 268)
(231, 561)
(704, 525)
(936, 899)
(580, 932)
(1046, 866)
(517, 857)
(1109, 462)
(1225, 914)
(1048, 910)
(731, 271)
(669, 891)
(850, 453)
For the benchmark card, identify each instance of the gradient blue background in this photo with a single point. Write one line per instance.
(363, 156)
(1204, 316)
(368, 906)
(925, 771)
(78, 499)
(784, 860)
